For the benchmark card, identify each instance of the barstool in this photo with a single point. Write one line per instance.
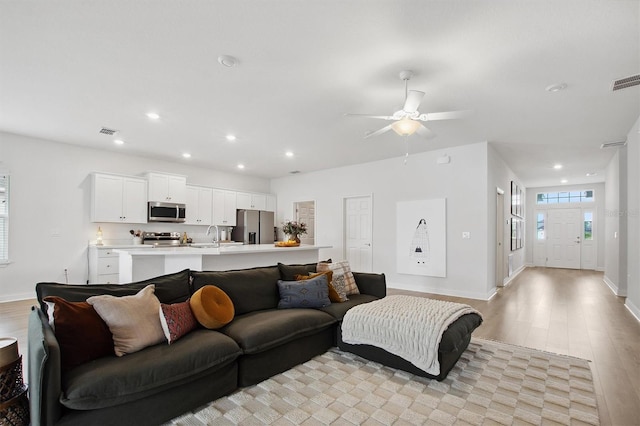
(14, 404)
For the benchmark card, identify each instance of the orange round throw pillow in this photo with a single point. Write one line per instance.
(212, 307)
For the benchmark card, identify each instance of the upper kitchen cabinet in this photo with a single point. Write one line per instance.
(224, 207)
(167, 188)
(249, 201)
(116, 198)
(271, 203)
(199, 208)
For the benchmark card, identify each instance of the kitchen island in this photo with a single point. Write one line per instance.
(138, 265)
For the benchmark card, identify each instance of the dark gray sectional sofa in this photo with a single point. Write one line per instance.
(164, 381)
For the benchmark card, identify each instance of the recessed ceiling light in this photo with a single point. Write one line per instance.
(289, 154)
(231, 138)
(241, 166)
(186, 155)
(153, 115)
(118, 142)
(557, 166)
(591, 174)
(227, 61)
(556, 87)
(564, 181)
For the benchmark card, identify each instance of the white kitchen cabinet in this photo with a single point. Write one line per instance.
(167, 188)
(116, 198)
(250, 201)
(103, 266)
(199, 206)
(224, 207)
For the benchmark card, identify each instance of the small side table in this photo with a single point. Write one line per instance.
(14, 404)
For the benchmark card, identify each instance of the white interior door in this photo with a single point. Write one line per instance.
(306, 212)
(563, 242)
(358, 229)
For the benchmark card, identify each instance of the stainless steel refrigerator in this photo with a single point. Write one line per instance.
(254, 227)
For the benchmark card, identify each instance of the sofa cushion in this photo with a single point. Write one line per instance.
(250, 290)
(112, 381)
(289, 272)
(83, 336)
(262, 330)
(212, 307)
(177, 320)
(311, 293)
(337, 310)
(170, 288)
(133, 320)
(334, 296)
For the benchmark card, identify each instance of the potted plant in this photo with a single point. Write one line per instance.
(294, 229)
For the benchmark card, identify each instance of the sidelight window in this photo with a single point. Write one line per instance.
(588, 225)
(540, 226)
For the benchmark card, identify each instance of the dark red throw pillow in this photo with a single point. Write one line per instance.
(177, 320)
(82, 335)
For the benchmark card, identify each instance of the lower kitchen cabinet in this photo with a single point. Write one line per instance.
(103, 265)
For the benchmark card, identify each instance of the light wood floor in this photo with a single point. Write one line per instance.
(556, 310)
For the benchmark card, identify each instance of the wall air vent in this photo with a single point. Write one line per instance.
(623, 83)
(107, 131)
(613, 144)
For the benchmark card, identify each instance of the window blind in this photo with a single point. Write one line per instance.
(4, 218)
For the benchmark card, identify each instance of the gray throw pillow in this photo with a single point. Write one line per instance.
(313, 293)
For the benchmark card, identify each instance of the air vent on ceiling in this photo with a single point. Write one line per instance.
(623, 83)
(613, 144)
(294, 172)
(107, 131)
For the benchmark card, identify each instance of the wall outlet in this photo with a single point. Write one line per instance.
(466, 235)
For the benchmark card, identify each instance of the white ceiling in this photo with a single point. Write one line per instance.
(68, 68)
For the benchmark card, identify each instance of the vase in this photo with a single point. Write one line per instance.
(295, 238)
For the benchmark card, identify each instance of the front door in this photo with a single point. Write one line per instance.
(357, 214)
(563, 242)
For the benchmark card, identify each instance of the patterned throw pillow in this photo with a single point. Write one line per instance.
(132, 320)
(341, 268)
(334, 296)
(176, 320)
(311, 293)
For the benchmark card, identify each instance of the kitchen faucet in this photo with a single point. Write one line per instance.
(216, 238)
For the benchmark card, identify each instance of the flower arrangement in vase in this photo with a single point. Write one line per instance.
(294, 229)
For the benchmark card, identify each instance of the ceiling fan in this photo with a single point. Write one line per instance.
(407, 121)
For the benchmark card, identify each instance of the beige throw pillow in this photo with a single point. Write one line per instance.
(132, 320)
(341, 268)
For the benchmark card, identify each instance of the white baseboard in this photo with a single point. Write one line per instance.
(635, 311)
(514, 275)
(16, 297)
(454, 293)
(613, 286)
(600, 269)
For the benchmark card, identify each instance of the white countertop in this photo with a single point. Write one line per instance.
(216, 251)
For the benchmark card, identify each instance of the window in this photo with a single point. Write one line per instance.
(540, 226)
(588, 225)
(4, 218)
(565, 197)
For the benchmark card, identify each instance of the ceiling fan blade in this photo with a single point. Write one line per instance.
(383, 117)
(414, 97)
(425, 132)
(450, 115)
(379, 132)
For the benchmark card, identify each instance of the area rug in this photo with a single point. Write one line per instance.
(492, 383)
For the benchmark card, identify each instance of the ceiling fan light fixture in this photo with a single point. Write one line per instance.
(405, 127)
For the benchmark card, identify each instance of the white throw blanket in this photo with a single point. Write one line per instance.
(407, 326)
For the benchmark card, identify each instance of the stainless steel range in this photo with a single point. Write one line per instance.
(161, 238)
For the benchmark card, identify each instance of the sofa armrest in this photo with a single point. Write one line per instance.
(44, 372)
(369, 283)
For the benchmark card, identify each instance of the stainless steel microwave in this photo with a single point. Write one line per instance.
(166, 212)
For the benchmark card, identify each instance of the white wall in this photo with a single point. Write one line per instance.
(633, 219)
(50, 195)
(615, 268)
(463, 182)
(500, 176)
